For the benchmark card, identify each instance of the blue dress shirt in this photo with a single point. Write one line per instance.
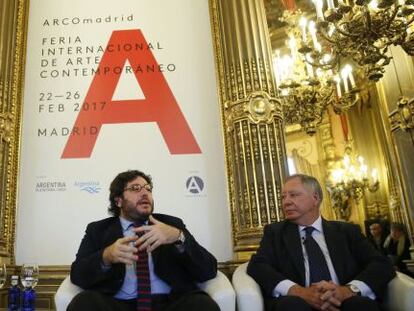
(129, 287)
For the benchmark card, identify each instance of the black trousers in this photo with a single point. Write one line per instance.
(289, 303)
(89, 300)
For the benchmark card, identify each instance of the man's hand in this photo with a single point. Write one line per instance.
(312, 295)
(333, 294)
(122, 250)
(156, 234)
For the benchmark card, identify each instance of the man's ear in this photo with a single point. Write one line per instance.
(118, 201)
(316, 197)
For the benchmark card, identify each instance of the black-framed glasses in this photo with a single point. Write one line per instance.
(137, 188)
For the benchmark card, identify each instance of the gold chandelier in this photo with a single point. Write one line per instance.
(364, 29)
(350, 180)
(307, 91)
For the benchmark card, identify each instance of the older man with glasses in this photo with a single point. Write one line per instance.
(138, 260)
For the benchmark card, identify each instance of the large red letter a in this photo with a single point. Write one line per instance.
(158, 106)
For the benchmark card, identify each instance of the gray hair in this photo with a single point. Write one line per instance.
(398, 226)
(310, 182)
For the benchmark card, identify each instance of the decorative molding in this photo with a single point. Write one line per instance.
(403, 116)
(378, 210)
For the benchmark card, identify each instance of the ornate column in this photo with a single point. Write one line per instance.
(252, 119)
(12, 40)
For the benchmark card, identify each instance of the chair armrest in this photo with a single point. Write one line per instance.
(221, 291)
(400, 293)
(248, 294)
(65, 293)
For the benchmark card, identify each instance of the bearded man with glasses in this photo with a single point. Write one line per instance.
(139, 260)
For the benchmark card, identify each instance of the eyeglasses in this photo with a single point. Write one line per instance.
(137, 188)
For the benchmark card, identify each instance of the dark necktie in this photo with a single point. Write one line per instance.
(144, 282)
(318, 268)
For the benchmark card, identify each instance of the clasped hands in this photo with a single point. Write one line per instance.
(322, 295)
(125, 250)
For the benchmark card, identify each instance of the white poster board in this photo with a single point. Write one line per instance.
(112, 86)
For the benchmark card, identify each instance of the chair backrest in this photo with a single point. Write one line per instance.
(219, 289)
(399, 295)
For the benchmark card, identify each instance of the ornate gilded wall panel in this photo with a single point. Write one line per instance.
(252, 118)
(398, 82)
(13, 22)
(369, 141)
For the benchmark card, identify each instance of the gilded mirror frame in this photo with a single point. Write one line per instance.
(13, 23)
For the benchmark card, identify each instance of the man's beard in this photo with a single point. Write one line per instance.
(133, 214)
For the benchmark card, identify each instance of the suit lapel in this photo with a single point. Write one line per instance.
(333, 239)
(113, 232)
(293, 244)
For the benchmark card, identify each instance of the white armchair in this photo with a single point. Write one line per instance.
(248, 294)
(400, 293)
(219, 289)
(65, 293)
(399, 296)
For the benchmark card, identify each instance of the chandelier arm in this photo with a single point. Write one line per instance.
(403, 38)
(368, 22)
(408, 25)
(346, 34)
(394, 14)
(325, 37)
(330, 65)
(368, 18)
(341, 105)
(339, 50)
(310, 62)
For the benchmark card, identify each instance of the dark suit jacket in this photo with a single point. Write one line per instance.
(180, 270)
(379, 247)
(280, 257)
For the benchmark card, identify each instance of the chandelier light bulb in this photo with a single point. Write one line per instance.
(347, 161)
(331, 4)
(292, 46)
(374, 175)
(319, 9)
(364, 170)
(337, 175)
(373, 5)
(302, 23)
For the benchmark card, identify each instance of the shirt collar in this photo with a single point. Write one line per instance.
(317, 225)
(125, 223)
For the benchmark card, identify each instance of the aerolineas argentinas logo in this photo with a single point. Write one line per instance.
(158, 106)
(91, 187)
